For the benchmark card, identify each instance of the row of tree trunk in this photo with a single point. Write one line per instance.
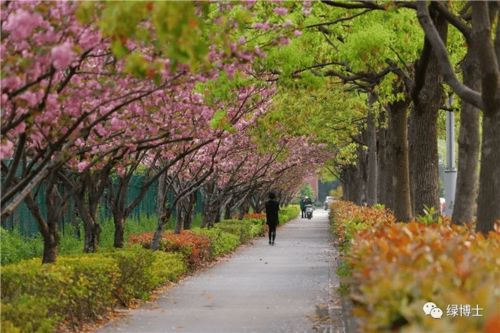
(403, 155)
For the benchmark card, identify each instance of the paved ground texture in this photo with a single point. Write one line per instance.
(261, 288)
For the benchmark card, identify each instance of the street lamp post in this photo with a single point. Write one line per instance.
(450, 173)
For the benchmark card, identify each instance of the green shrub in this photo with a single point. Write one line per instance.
(142, 270)
(221, 242)
(28, 314)
(8, 327)
(69, 244)
(257, 226)
(36, 297)
(94, 278)
(29, 277)
(288, 213)
(134, 265)
(16, 248)
(74, 288)
(167, 267)
(239, 228)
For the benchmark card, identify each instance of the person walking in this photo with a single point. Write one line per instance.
(303, 207)
(272, 220)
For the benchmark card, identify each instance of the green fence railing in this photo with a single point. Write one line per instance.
(23, 221)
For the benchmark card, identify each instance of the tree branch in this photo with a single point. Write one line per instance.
(342, 19)
(465, 93)
(351, 5)
(454, 20)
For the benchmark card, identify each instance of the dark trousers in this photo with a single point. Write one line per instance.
(272, 232)
(303, 212)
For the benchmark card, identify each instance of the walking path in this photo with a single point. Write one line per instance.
(261, 288)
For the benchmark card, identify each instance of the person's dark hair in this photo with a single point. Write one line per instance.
(272, 195)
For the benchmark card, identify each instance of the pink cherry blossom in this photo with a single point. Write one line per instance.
(262, 26)
(31, 98)
(19, 129)
(62, 56)
(82, 166)
(283, 40)
(89, 39)
(21, 24)
(281, 11)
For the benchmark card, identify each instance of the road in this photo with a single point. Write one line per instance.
(261, 288)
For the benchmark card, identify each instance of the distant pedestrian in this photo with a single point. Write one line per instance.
(272, 209)
(303, 207)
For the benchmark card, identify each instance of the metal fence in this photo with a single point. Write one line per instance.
(23, 221)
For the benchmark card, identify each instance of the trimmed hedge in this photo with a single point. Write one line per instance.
(143, 270)
(221, 242)
(37, 298)
(29, 314)
(392, 269)
(74, 289)
(194, 247)
(288, 213)
(245, 231)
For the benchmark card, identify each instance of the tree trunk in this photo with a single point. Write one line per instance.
(189, 214)
(488, 202)
(412, 141)
(91, 237)
(244, 209)
(119, 209)
(468, 147)
(119, 240)
(55, 207)
(353, 185)
(160, 227)
(185, 208)
(360, 177)
(427, 100)
(371, 186)
(227, 212)
(92, 229)
(382, 167)
(218, 214)
(344, 180)
(424, 158)
(210, 216)
(49, 248)
(399, 142)
(179, 221)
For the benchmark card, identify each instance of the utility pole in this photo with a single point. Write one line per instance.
(450, 173)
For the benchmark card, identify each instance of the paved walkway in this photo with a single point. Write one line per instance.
(261, 288)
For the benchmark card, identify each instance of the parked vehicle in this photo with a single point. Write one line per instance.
(328, 202)
(309, 211)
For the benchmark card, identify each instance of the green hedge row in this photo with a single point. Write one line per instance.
(288, 213)
(37, 298)
(249, 228)
(220, 242)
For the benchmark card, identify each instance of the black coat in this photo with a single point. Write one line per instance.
(272, 209)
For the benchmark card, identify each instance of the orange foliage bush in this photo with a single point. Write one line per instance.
(195, 247)
(257, 216)
(396, 268)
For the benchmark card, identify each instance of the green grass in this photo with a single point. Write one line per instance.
(15, 247)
